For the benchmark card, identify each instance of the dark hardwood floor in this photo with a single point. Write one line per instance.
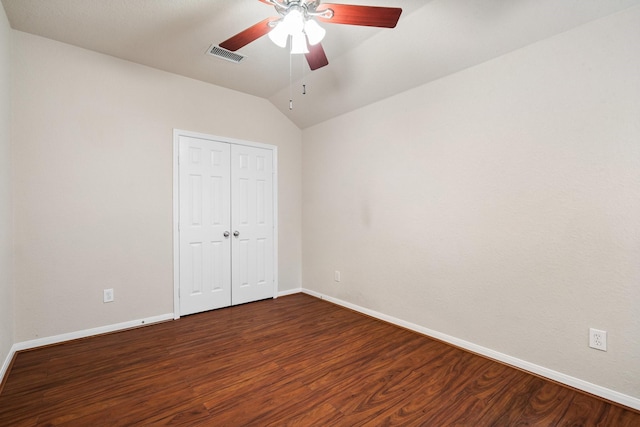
(296, 361)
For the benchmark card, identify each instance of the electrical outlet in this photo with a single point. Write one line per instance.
(598, 339)
(108, 295)
(336, 276)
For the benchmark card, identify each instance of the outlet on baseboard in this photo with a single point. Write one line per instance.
(598, 339)
(108, 295)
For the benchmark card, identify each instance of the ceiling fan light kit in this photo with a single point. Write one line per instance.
(279, 35)
(298, 20)
(315, 33)
(298, 44)
(298, 23)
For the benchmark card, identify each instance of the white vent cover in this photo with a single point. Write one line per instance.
(222, 53)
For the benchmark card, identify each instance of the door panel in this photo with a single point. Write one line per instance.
(252, 206)
(205, 273)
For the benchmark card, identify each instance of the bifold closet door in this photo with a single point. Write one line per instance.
(226, 224)
(205, 220)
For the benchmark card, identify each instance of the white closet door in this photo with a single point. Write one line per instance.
(252, 223)
(205, 205)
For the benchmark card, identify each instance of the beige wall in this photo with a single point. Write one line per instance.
(499, 205)
(93, 141)
(6, 267)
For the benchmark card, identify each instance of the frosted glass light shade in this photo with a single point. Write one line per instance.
(299, 43)
(315, 33)
(279, 35)
(293, 23)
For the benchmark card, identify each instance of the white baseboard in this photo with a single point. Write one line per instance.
(6, 363)
(612, 395)
(40, 342)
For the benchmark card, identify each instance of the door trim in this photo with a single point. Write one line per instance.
(177, 133)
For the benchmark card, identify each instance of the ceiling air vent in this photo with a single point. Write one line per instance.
(219, 52)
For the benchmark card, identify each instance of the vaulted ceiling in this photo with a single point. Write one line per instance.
(432, 39)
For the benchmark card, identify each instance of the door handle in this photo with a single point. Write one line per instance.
(226, 234)
(236, 233)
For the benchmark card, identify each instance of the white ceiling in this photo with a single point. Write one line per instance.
(433, 39)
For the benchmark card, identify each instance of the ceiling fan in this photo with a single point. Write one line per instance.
(298, 20)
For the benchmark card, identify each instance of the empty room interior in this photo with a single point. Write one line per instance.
(465, 173)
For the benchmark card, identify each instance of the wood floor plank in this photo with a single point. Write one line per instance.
(434, 389)
(321, 415)
(446, 395)
(547, 405)
(292, 361)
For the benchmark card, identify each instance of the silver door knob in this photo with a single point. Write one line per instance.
(226, 234)
(236, 233)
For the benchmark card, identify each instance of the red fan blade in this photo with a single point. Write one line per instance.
(316, 56)
(245, 37)
(369, 16)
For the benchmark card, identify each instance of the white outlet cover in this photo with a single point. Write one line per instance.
(108, 295)
(598, 339)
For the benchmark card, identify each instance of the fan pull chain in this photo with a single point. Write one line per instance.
(304, 86)
(290, 85)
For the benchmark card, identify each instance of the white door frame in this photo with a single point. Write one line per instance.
(177, 133)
